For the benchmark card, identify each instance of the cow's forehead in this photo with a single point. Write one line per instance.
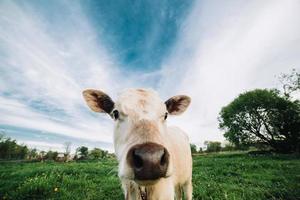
(140, 102)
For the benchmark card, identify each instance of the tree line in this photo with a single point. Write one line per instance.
(213, 146)
(11, 150)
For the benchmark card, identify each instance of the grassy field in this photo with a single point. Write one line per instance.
(222, 176)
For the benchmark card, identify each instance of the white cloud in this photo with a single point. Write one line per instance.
(223, 49)
(42, 63)
(45, 146)
(227, 48)
(18, 114)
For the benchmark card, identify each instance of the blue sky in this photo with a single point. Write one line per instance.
(210, 50)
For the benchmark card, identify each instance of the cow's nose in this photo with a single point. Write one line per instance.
(149, 161)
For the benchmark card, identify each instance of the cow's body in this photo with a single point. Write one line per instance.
(154, 160)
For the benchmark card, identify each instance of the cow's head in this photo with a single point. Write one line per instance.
(141, 140)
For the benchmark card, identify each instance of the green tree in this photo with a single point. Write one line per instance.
(200, 150)
(193, 148)
(83, 152)
(228, 147)
(51, 155)
(97, 153)
(212, 146)
(21, 151)
(32, 153)
(10, 149)
(262, 116)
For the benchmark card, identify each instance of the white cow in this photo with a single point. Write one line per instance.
(154, 160)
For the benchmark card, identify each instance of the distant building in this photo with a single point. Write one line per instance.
(62, 157)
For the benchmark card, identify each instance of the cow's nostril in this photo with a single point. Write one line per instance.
(163, 159)
(137, 161)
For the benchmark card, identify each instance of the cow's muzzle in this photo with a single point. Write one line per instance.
(149, 161)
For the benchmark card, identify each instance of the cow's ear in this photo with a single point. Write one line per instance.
(98, 101)
(177, 104)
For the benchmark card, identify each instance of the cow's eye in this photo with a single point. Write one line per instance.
(166, 116)
(116, 114)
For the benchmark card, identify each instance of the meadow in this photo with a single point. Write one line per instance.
(216, 176)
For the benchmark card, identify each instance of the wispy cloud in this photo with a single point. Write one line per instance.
(226, 48)
(43, 145)
(44, 70)
(18, 114)
(222, 49)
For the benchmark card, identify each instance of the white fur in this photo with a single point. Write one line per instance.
(172, 138)
(141, 120)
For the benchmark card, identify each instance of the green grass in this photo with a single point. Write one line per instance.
(221, 176)
(242, 176)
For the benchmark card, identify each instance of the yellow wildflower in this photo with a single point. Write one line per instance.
(55, 189)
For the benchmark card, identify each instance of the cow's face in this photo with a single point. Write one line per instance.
(140, 135)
